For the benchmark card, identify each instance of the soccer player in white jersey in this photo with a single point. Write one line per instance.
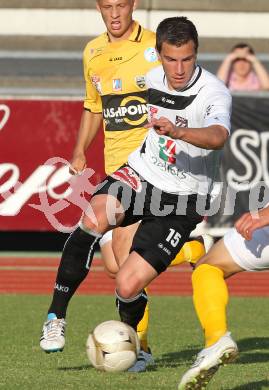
(176, 166)
(115, 65)
(243, 248)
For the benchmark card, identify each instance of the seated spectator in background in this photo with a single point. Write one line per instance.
(242, 71)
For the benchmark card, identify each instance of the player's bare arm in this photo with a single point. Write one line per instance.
(251, 221)
(211, 137)
(89, 126)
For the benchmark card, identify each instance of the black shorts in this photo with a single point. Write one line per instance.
(166, 219)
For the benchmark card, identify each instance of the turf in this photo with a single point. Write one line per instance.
(175, 338)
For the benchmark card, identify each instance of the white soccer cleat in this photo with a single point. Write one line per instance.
(207, 363)
(52, 337)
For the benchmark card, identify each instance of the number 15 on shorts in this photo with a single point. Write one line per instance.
(173, 237)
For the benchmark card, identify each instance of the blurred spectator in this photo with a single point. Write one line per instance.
(242, 71)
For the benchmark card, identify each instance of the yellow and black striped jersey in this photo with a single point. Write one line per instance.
(115, 85)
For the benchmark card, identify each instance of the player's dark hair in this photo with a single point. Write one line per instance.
(176, 31)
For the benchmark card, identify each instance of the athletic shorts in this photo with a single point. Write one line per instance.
(164, 227)
(250, 255)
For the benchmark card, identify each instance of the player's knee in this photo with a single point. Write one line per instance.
(97, 222)
(126, 291)
(127, 287)
(87, 223)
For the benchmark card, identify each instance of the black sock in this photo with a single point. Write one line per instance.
(74, 267)
(132, 310)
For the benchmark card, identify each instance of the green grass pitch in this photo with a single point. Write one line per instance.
(175, 338)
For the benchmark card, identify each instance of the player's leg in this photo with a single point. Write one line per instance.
(74, 267)
(122, 238)
(108, 257)
(111, 267)
(148, 258)
(210, 296)
(193, 250)
(122, 241)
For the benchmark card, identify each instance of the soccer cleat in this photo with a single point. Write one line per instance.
(144, 360)
(207, 363)
(52, 337)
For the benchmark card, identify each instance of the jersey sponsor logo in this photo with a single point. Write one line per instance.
(150, 54)
(112, 59)
(124, 112)
(117, 85)
(167, 151)
(140, 81)
(96, 81)
(129, 177)
(181, 122)
(166, 167)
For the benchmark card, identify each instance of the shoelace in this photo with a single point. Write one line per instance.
(54, 328)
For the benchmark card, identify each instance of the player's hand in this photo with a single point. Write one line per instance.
(77, 164)
(249, 222)
(251, 58)
(163, 126)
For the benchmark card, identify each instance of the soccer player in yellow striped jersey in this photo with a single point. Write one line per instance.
(115, 86)
(115, 64)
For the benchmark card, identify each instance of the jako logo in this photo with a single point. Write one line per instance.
(59, 287)
(167, 100)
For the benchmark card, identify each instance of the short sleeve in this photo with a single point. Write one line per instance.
(216, 107)
(92, 100)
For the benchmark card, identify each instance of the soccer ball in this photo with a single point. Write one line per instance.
(113, 346)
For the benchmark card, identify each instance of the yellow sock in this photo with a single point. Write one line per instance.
(210, 297)
(142, 329)
(191, 251)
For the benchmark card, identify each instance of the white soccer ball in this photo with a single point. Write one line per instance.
(113, 346)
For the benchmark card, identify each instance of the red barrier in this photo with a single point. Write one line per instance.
(36, 138)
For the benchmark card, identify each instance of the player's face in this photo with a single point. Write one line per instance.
(178, 63)
(117, 16)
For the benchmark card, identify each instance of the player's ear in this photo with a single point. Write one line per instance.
(135, 4)
(98, 6)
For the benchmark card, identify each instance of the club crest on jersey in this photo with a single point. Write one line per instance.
(96, 81)
(167, 150)
(129, 177)
(150, 54)
(117, 85)
(140, 81)
(181, 122)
